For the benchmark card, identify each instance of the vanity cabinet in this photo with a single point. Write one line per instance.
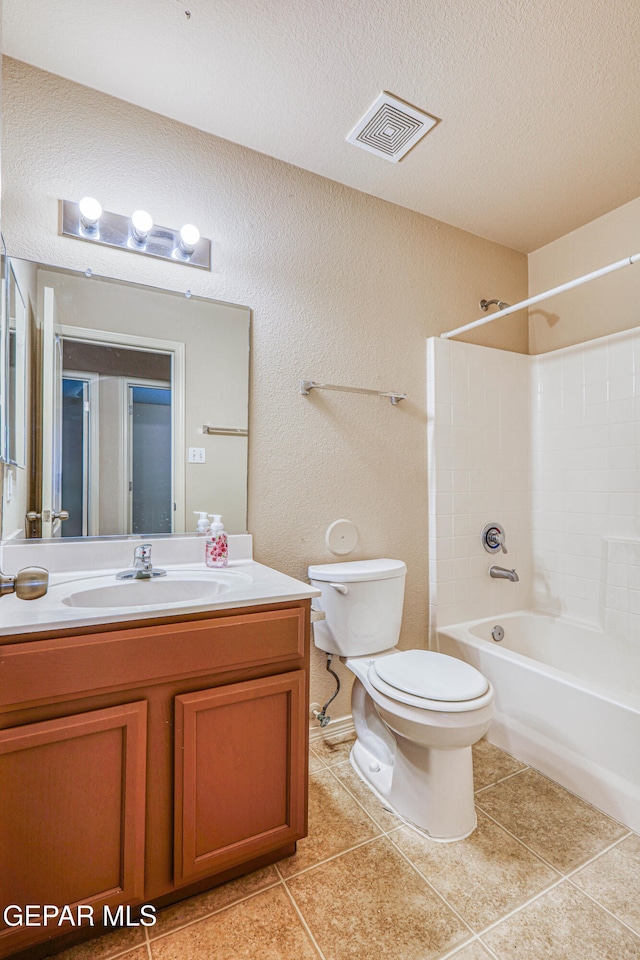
(144, 764)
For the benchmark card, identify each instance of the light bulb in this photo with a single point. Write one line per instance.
(90, 212)
(141, 223)
(189, 236)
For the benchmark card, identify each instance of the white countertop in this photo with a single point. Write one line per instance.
(243, 583)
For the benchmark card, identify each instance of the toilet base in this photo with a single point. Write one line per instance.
(444, 825)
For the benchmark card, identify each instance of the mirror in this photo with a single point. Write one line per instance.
(128, 407)
(16, 368)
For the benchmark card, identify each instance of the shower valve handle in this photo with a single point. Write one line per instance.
(493, 538)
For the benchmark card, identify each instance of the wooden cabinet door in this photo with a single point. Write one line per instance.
(241, 766)
(72, 807)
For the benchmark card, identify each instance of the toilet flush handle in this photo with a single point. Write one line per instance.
(340, 587)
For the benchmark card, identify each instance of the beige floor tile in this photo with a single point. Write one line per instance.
(483, 877)
(315, 763)
(473, 951)
(563, 924)
(374, 807)
(563, 829)
(370, 903)
(265, 927)
(334, 749)
(336, 822)
(491, 764)
(109, 945)
(614, 880)
(179, 914)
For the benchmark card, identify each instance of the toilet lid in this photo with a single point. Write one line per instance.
(430, 675)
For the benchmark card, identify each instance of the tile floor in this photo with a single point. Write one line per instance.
(544, 877)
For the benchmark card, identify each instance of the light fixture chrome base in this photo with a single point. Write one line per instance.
(114, 230)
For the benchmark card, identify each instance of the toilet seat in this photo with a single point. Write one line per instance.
(430, 681)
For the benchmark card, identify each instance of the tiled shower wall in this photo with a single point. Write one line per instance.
(549, 446)
(478, 423)
(586, 482)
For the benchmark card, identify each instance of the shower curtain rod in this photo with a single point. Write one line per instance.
(545, 296)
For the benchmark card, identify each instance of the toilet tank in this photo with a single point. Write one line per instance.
(362, 600)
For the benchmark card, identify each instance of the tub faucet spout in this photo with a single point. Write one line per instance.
(500, 573)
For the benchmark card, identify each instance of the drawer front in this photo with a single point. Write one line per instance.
(45, 670)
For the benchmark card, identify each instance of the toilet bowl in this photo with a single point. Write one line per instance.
(416, 713)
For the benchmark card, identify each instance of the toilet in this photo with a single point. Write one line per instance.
(416, 712)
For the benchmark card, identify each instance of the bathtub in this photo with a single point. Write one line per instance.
(567, 702)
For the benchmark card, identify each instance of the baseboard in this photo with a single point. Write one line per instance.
(341, 726)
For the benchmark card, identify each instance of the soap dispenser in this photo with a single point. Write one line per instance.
(216, 547)
(202, 526)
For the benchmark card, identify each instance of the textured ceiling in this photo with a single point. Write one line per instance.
(538, 99)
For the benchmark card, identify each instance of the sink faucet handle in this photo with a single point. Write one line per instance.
(143, 552)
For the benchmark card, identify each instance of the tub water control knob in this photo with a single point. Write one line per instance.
(493, 538)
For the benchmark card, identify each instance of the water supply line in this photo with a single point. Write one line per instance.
(321, 715)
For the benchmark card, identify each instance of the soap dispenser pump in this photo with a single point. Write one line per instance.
(216, 548)
(202, 526)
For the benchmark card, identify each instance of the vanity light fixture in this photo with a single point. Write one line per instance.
(189, 236)
(90, 213)
(137, 234)
(141, 226)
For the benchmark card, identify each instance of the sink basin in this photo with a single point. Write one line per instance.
(159, 592)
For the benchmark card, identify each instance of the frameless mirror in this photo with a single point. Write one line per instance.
(136, 410)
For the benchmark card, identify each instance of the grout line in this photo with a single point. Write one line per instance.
(431, 887)
(535, 853)
(571, 793)
(148, 943)
(452, 954)
(615, 843)
(304, 922)
(512, 913)
(614, 916)
(212, 913)
(522, 843)
(509, 776)
(486, 947)
(361, 805)
(334, 856)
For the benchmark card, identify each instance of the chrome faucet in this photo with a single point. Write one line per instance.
(142, 568)
(501, 573)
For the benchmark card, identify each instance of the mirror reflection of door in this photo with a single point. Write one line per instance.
(108, 411)
(77, 400)
(149, 504)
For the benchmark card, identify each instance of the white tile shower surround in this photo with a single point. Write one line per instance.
(550, 447)
(479, 470)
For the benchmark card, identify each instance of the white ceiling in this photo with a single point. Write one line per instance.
(538, 99)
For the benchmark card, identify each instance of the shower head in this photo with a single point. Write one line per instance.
(485, 304)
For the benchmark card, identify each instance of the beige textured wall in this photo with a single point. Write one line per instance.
(595, 309)
(344, 288)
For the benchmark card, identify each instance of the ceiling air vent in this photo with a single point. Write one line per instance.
(390, 128)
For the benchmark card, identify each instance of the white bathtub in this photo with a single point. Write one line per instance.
(567, 702)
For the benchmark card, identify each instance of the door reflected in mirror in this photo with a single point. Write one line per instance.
(122, 379)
